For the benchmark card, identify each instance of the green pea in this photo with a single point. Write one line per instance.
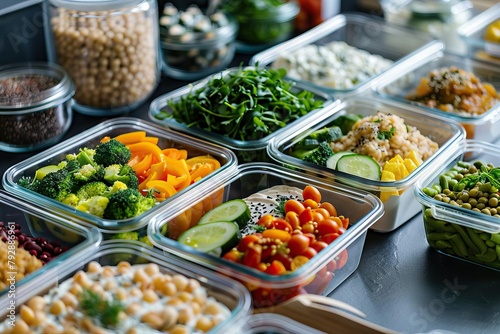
(494, 190)
(493, 202)
(486, 211)
(480, 206)
(458, 177)
(476, 210)
(493, 211)
(438, 197)
(442, 244)
(485, 187)
(483, 200)
(473, 192)
(459, 187)
(464, 197)
(472, 202)
(467, 206)
(472, 169)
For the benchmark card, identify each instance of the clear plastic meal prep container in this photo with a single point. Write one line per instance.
(29, 220)
(473, 33)
(360, 31)
(110, 253)
(398, 209)
(90, 138)
(405, 79)
(460, 232)
(320, 275)
(246, 150)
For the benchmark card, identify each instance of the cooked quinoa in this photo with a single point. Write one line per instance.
(383, 136)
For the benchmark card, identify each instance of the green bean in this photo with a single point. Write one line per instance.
(437, 187)
(442, 244)
(489, 256)
(458, 246)
(428, 212)
(443, 181)
(435, 236)
(430, 191)
(495, 238)
(481, 245)
(490, 243)
(451, 173)
(439, 225)
(466, 238)
(452, 183)
(478, 164)
(485, 236)
(463, 164)
(497, 249)
(459, 187)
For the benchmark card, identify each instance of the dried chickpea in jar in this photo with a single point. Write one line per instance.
(110, 50)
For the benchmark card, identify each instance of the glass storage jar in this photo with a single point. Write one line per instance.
(110, 49)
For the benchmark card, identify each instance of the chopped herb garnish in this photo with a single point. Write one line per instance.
(386, 134)
(94, 306)
(259, 228)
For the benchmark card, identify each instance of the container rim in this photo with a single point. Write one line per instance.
(251, 275)
(99, 5)
(55, 95)
(281, 13)
(452, 213)
(106, 225)
(480, 21)
(162, 101)
(359, 182)
(432, 54)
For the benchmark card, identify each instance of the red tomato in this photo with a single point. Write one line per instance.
(342, 259)
(317, 216)
(282, 224)
(319, 245)
(311, 236)
(294, 205)
(248, 240)
(285, 259)
(305, 216)
(252, 256)
(276, 268)
(309, 252)
(298, 243)
(311, 192)
(328, 225)
(328, 238)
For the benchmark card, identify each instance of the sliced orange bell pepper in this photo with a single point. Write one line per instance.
(176, 181)
(147, 147)
(179, 224)
(153, 140)
(172, 153)
(131, 137)
(201, 171)
(143, 165)
(203, 159)
(156, 172)
(105, 139)
(162, 188)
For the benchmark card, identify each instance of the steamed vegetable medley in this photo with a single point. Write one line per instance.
(121, 299)
(470, 186)
(376, 147)
(121, 177)
(274, 231)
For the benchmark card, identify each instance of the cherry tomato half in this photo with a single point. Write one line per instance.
(294, 205)
(311, 192)
(328, 225)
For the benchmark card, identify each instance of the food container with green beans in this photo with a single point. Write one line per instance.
(461, 205)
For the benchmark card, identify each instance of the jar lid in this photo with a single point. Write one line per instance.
(96, 5)
(33, 84)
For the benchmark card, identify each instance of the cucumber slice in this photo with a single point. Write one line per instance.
(234, 210)
(332, 161)
(360, 165)
(215, 237)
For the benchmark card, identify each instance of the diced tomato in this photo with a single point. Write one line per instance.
(252, 256)
(328, 238)
(276, 268)
(248, 240)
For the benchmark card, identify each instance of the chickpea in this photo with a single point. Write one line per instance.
(169, 289)
(170, 315)
(36, 303)
(181, 282)
(27, 314)
(153, 319)
(107, 271)
(40, 318)
(204, 324)
(180, 329)
(152, 269)
(149, 296)
(185, 315)
(94, 267)
(69, 299)
(57, 307)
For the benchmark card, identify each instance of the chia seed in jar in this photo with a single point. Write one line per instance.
(35, 104)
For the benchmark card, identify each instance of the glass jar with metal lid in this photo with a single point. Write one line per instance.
(110, 49)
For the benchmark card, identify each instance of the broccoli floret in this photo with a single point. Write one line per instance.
(319, 155)
(95, 205)
(86, 156)
(145, 239)
(122, 173)
(71, 199)
(89, 173)
(327, 134)
(117, 186)
(29, 183)
(57, 185)
(92, 189)
(126, 235)
(128, 203)
(112, 152)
